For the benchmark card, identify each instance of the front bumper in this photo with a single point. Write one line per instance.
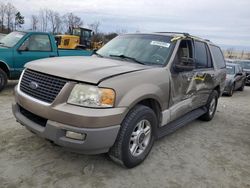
(97, 140)
(100, 126)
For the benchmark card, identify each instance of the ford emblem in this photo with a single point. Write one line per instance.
(33, 85)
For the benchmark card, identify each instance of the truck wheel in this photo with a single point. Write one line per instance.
(3, 79)
(135, 138)
(231, 92)
(211, 107)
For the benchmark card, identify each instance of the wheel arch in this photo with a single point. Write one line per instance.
(153, 104)
(5, 68)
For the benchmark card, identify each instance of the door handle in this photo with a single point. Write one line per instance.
(52, 56)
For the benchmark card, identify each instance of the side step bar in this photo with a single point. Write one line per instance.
(187, 118)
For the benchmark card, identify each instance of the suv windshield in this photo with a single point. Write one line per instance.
(230, 69)
(11, 39)
(139, 48)
(245, 64)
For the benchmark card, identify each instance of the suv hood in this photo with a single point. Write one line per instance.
(91, 69)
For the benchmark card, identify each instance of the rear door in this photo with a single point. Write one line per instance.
(238, 77)
(35, 46)
(204, 73)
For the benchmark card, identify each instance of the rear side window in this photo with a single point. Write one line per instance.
(200, 54)
(218, 57)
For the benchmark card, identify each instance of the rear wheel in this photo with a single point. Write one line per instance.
(135, 138)
(211, 106)
(3, 79)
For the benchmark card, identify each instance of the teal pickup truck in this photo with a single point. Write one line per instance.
(18, 48)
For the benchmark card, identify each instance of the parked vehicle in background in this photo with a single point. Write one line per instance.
(136, 89)
(235, 79)
(245, 65)
(80, 38)
(18, 48)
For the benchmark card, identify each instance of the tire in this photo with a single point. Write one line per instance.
(3, 79)
(231, 92)
(126, 150)
(211, 106)
(242, 86)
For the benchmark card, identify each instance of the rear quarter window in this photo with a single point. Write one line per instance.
(218, 57)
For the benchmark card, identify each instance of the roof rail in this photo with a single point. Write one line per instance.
(186, 34)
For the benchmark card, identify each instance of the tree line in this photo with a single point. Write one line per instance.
(10, 18)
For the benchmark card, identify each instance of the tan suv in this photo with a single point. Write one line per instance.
(136, 89)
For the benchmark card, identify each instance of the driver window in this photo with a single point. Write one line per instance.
(184, 51)
(36, 43)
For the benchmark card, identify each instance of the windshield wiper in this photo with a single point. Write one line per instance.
(122, 56)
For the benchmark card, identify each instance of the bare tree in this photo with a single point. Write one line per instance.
(10, 15)
(230, 52)
(58, 23)
(2, 15)
(43, 19)
(248, 55)
(95, 26)
(242, 54)
(72, 21)
(34, 22)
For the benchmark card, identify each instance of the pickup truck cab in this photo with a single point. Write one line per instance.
(135, 90)
(18, 48)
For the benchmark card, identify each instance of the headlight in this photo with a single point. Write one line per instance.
(92, 96)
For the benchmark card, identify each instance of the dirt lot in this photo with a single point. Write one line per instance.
(213, 154)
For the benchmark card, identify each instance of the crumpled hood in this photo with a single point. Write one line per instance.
(89, 69)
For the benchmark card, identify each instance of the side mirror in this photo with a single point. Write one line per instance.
(23, 48)
(186, 64)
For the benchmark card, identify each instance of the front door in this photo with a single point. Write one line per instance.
(36, 46)
(183, 87)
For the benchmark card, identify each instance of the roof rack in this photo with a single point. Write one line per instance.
(185, 34)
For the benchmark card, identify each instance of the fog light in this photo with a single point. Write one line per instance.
(76, 136)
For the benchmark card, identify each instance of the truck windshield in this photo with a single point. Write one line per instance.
(245, 64)
(11, 39)
(145, 49)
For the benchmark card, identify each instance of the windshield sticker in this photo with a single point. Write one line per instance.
(161, 44)
(229, 67)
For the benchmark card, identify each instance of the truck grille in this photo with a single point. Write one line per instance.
(41, 86)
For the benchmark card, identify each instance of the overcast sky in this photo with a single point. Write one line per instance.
(225, 22)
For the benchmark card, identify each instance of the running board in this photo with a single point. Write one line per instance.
(180, 122)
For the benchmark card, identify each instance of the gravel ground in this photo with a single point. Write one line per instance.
(201, 154)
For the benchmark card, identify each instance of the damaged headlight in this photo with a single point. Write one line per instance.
(92, 96)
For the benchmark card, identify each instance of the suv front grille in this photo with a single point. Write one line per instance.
(41, 86)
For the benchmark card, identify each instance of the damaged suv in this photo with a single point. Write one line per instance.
(135, 90)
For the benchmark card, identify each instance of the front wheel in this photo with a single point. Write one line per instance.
(135, 138)
(3, 79)
(231, 91)
(211, 106)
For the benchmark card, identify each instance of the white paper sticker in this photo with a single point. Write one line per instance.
(228, 67)
(159, 43)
